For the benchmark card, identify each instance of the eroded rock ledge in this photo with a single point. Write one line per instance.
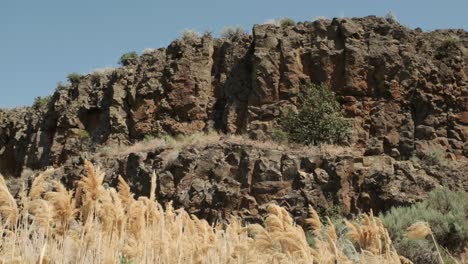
(216, 176)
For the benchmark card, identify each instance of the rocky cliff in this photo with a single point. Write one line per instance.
(405, 90)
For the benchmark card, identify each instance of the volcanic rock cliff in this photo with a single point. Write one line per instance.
(405, 90)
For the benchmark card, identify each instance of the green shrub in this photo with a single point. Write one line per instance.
(84, 135)
(435, 157)
(445, 211)
(318, 120)
(74, 77)
(169, 139)
(148, 138)
(279, 136)
(41, 101)
(128, 58)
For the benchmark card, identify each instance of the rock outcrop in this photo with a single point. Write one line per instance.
(405, 90)
(215, 176)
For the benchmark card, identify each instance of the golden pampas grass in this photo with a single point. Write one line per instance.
(331, 231)
(8, 207)
(63, 205)
(91, 183)
(90, 191)
(313, 221)
(369, 234)
(125, 194)
(39, 184)
(153, 187)
(418, 230)
(42, 213)
(103, 225)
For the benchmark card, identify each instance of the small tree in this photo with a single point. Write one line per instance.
(128, 58)
(318, 120)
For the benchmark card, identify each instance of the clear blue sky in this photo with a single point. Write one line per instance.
(44, 40)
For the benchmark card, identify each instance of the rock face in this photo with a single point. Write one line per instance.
(222, 176)
(406, 91)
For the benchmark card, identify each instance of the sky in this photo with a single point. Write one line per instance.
(42, 41)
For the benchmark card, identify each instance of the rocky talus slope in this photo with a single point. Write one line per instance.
(405, 90)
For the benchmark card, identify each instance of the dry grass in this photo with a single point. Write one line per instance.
(175, 144)
(165, 142)
(104, 225)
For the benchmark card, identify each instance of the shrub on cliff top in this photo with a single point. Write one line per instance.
(128, 58)
(286, 22)
(41, 101)
(318, 120)
(74, 77)
(190, 35)
(232, 32)
(281, 22)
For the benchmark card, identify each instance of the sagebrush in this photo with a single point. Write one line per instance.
(444, 210)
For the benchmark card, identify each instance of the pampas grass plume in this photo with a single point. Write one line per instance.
(418, 231)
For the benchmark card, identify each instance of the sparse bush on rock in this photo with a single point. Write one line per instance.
(232, 32)
(189, 35)
(61, 85)
(128, 58)
(148, 51)
(281, 22)
(41, 101)
(435, 157)
(74, 77)
(451, 41)
(103, 71)
(83, 134)
(286, 22)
